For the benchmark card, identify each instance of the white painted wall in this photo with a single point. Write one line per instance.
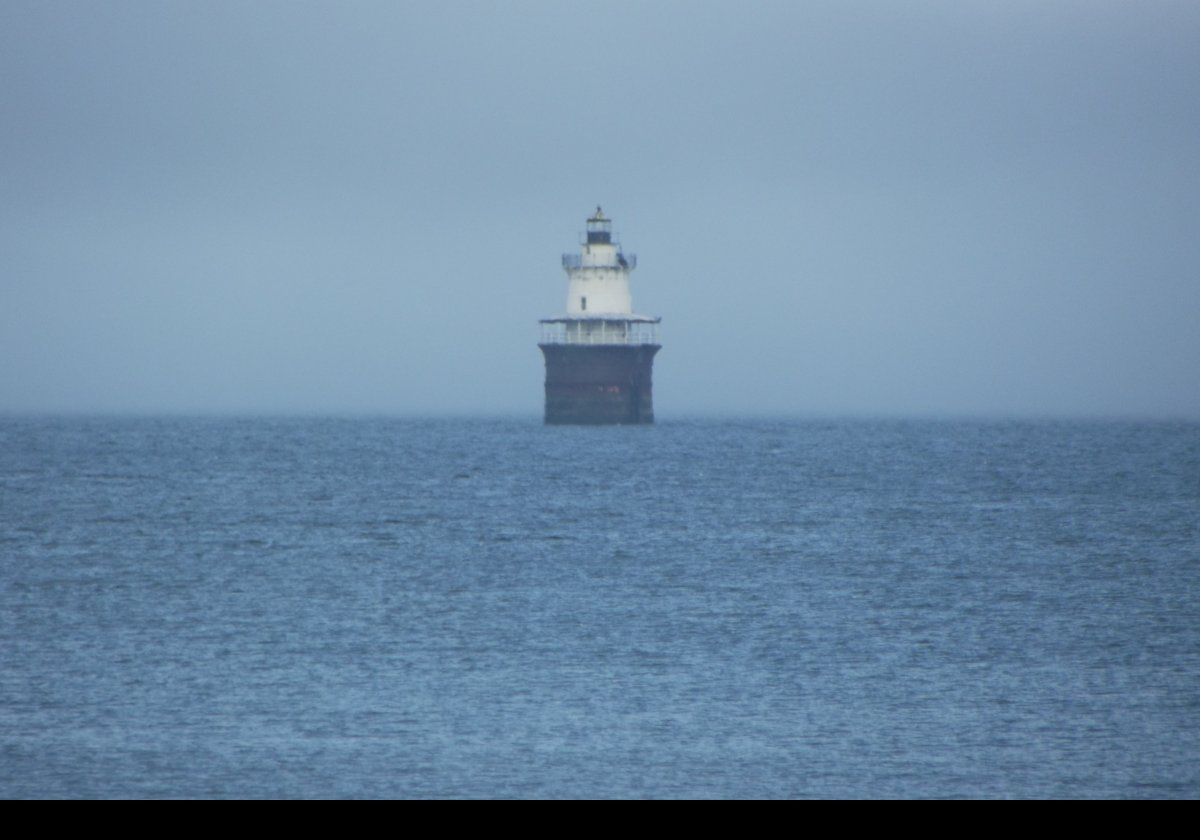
(601, 280)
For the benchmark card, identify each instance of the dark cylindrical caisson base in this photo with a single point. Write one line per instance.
(599, 384)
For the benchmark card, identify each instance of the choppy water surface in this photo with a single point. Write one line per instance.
(493, 608)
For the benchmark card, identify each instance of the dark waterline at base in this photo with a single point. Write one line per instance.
(211, 607)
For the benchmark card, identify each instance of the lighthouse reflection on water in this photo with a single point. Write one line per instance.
(600, 354)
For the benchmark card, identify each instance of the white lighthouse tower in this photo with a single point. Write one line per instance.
(599, 273)
(599, 355)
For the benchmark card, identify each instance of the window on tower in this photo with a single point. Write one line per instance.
(583, 304)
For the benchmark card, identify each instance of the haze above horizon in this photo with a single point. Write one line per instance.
(839, 210)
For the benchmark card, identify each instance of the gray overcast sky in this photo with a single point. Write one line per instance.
(839, 208)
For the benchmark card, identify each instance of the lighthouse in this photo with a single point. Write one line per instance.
(600, 353)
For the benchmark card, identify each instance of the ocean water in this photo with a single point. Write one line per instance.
(492, 608)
